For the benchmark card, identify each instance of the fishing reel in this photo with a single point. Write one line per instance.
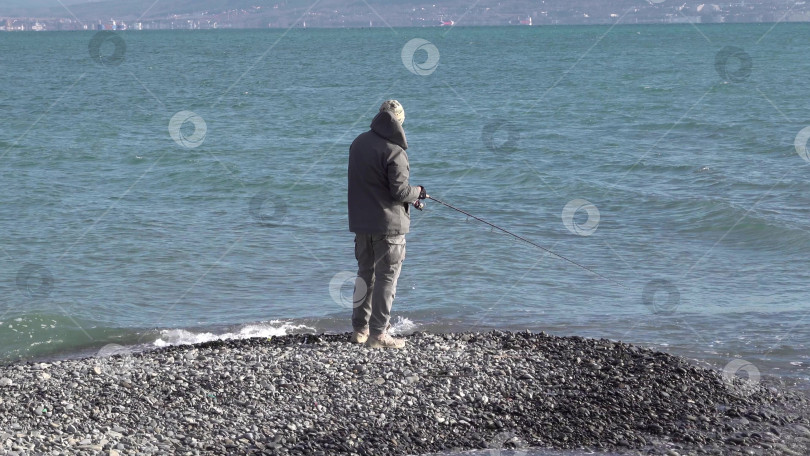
(422, 195)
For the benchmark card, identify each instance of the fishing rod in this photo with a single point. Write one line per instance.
(524, 240)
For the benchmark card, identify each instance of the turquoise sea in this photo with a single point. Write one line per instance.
(170, 187)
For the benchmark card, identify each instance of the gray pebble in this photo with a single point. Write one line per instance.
(303, 394)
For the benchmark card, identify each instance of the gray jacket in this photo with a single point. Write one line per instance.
(379, 192)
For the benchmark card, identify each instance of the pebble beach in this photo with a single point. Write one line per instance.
(444, 393)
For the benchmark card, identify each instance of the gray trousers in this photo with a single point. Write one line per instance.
(379, 261)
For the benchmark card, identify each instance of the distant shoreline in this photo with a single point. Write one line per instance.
(208, 14)
(437, 27)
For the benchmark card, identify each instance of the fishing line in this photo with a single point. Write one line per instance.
(525, 240)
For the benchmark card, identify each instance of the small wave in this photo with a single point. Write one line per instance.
(403, 326)
(264, 329)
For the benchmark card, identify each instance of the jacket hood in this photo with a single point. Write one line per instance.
(389, 129)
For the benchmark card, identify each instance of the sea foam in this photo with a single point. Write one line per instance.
(262, 329)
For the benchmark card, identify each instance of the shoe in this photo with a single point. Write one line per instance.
(385, 340)
(359, 337)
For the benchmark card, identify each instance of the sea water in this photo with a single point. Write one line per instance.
(180, 186)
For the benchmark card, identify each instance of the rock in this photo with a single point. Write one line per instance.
(5, 381)
(802, 430)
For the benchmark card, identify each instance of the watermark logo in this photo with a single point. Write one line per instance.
(800, 143)
(267, 209)
(97, 43)
(728, 72)
(492, 135)
(426, 67)
(739, 385)
(176, 130)
(661, 296)
(35, 281)
(347, 289)
(569, 217)
(503, 440)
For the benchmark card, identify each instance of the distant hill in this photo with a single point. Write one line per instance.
(402, 12)
(28, 7)
(352, 13)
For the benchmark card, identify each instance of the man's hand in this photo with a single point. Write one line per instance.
(422, 195)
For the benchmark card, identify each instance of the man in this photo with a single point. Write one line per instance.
(379, 215)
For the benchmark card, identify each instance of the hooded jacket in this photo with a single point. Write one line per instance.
(379, 192)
